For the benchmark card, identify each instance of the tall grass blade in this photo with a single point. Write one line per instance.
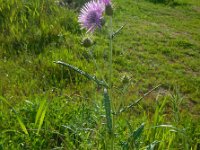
(107, 106)
(23, 127)
(39, 112)
(6, 102)
(41, 119)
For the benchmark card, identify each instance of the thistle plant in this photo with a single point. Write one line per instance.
(91, 18)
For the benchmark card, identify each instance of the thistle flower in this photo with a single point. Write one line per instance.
(106, 2)
(91, 15)
(108, 7)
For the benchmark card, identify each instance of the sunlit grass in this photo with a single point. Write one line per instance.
(59, 108)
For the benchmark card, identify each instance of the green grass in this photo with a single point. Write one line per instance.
(160, 44)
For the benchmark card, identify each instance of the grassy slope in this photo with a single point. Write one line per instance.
(159, 45)
(164, 45)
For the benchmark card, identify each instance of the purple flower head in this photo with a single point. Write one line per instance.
(91, 15)
(106, 2)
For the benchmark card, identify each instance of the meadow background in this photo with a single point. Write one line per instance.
(46, 106)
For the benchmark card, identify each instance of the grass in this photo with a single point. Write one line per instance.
(61, 109)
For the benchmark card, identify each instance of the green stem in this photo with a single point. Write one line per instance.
(110, 79)
(96, 65)
(111, 49)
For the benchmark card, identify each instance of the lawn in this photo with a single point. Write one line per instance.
(156, 56)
